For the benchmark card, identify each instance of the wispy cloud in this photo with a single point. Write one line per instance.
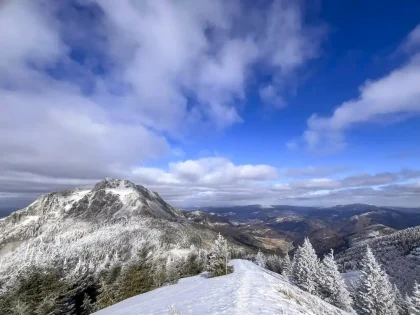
(395, 94)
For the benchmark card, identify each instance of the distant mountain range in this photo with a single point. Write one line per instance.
(327, 227)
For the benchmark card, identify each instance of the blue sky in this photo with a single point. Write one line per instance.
(213, 103)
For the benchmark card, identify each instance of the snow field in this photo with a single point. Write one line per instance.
(248, 290)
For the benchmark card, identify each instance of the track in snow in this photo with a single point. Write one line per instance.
(249, 290)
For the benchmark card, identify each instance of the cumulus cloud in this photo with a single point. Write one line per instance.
(95, 88)
(217, 181)
(394, 94)
(211, 172)
(192, 60)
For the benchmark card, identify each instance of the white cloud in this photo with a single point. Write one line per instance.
(209, 171)
(172, 53)
(412, 42)
(96, 90)
(394, 94)
(270, 96)
(26, 34)
(216, 181)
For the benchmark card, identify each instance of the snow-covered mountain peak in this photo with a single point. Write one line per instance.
(92, 229)
(108, 200)
(112, 198)
(112, 183)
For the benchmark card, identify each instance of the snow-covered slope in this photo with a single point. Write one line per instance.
(109, 199)
(248, 290)
(84, 231)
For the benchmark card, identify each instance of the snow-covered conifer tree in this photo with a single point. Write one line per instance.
(260, 259)
(273, 263)
(375, 294)
(106, 296)
(87, 306)
(305, 267)
(400, 301)
(414, 301)
(332, 284)
(172, 271)
(286, 266)
(219, 257)
(20, 308)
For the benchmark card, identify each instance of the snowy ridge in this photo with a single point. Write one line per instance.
(248, 290)
(38, 216)
(109, 199)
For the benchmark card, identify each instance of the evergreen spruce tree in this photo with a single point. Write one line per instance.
(305, 267)
(375, 294)
(136, 278)
(159, 273)
(87, 306)
(192, 265)
(414, 302)
(332, 286)
(400, 301)
(260, 259)
(47, 305)
(106, 296)
(219, 257)
(273, 263)
(172, 270)
(286, 266)
(406, 305)
(21, 308)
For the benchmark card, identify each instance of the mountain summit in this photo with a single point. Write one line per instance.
(108, 200)
(83, 231)
(113, 198)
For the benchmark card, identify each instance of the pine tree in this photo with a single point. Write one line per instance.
(400, 301)
(192, 264)
(172, 270)
(20, 308)
(87, 306)
(375, 294)
(106, 296)
(219, 257)
(305, 267)
(332, 284)
(159, 273)
(47, 305)
(414, 303)
(286, 266)
(273, 263)
(260, 259)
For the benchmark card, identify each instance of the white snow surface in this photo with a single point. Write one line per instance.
(248, 290)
